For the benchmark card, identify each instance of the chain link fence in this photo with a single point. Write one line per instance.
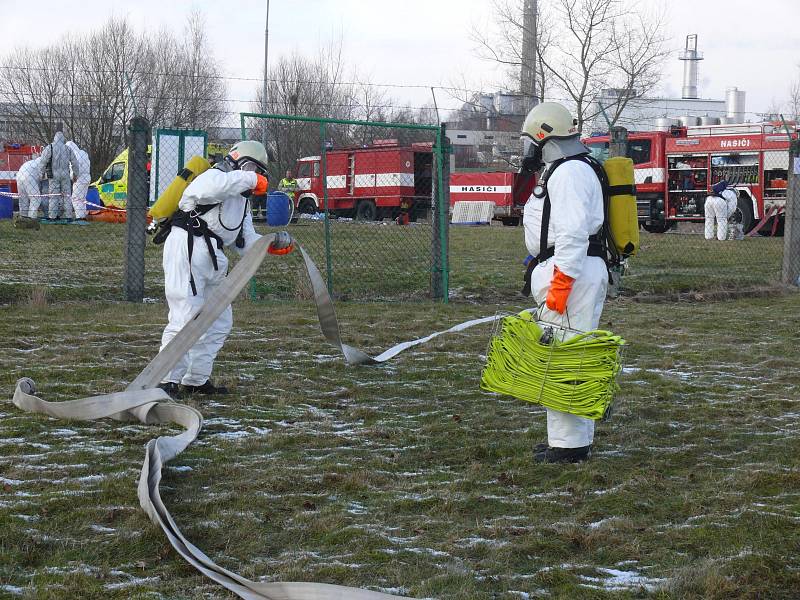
(63, 232)
(366, 201)
(369, 203)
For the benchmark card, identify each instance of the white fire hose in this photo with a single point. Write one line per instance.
(143, 401)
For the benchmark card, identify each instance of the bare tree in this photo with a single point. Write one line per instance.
(603, 44)
(794, 99)
(95, 83)
(504, 43)
(199, 78)
(585, 47)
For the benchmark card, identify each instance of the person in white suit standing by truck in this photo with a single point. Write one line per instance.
(719, 207)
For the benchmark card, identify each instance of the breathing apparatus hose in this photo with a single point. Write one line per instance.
(577, 375)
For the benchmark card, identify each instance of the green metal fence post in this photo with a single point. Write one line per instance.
(441, 284)
(253, 285)
(324, 166)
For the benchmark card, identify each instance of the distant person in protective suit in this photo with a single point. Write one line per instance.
(29, 183)
(720, 206)
(213, 213)
(60, 181)
(82, 175)
(571, 279)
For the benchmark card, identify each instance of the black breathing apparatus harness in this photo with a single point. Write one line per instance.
(197, 227)
(600, 244)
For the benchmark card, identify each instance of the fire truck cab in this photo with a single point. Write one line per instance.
(675, 170)
(369, 183)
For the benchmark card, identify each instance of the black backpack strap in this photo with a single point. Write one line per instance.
(611, 257)
(600, 244)
(197, 227)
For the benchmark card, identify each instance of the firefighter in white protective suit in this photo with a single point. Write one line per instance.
(82, 168)
(60, 182)
(29, 183)
(720, 206)
(570, 277)
(213, 213)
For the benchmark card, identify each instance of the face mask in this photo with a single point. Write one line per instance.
(248, 165)
(532, 157)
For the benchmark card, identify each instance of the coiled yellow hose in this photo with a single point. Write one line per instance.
(577, 375)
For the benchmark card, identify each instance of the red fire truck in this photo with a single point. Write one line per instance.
(381, 180)
(497, 187)
(12, 156)
(675, 170)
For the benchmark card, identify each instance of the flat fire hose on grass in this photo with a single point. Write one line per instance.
(142, 401)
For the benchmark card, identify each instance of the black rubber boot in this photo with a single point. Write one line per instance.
(173, 389)
(563, 455)
(206, 389)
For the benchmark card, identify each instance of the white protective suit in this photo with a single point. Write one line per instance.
(576, 200)
(60, 182)
(83, 176)
(29, 184)
(211, 187)
(720, 208)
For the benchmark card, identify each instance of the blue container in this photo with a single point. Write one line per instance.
(279, 209)
(6, 206)
(93, 198)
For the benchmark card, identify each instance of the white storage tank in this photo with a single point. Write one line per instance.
(734, 103)
(665, 123)
(689, 121)
(706, 120)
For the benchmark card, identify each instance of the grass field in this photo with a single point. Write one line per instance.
(406, 477)
(377, 261)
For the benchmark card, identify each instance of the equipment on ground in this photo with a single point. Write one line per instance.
(23, 222)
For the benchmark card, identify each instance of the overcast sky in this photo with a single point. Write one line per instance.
(752, 45)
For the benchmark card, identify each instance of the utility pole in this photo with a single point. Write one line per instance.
(529, 45)
(264, 92)
(791, 233)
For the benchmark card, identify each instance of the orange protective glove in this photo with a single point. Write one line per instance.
(261, 185)
(560, 287)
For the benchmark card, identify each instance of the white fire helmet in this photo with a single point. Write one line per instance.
(548, 120)
(248, 155)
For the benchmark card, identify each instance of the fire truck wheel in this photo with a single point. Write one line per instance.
(511, 221)
(657, 226)
(744, 213)
(307, 206)
(366, 211)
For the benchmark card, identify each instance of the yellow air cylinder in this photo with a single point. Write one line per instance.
(167, 202)
(622, 217)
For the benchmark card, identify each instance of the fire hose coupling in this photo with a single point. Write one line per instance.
(26, 385)
(282, 244)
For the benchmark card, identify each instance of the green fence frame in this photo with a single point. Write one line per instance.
(439, 267)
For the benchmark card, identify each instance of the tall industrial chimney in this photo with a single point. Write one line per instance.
(691, 57)
(529, 42)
